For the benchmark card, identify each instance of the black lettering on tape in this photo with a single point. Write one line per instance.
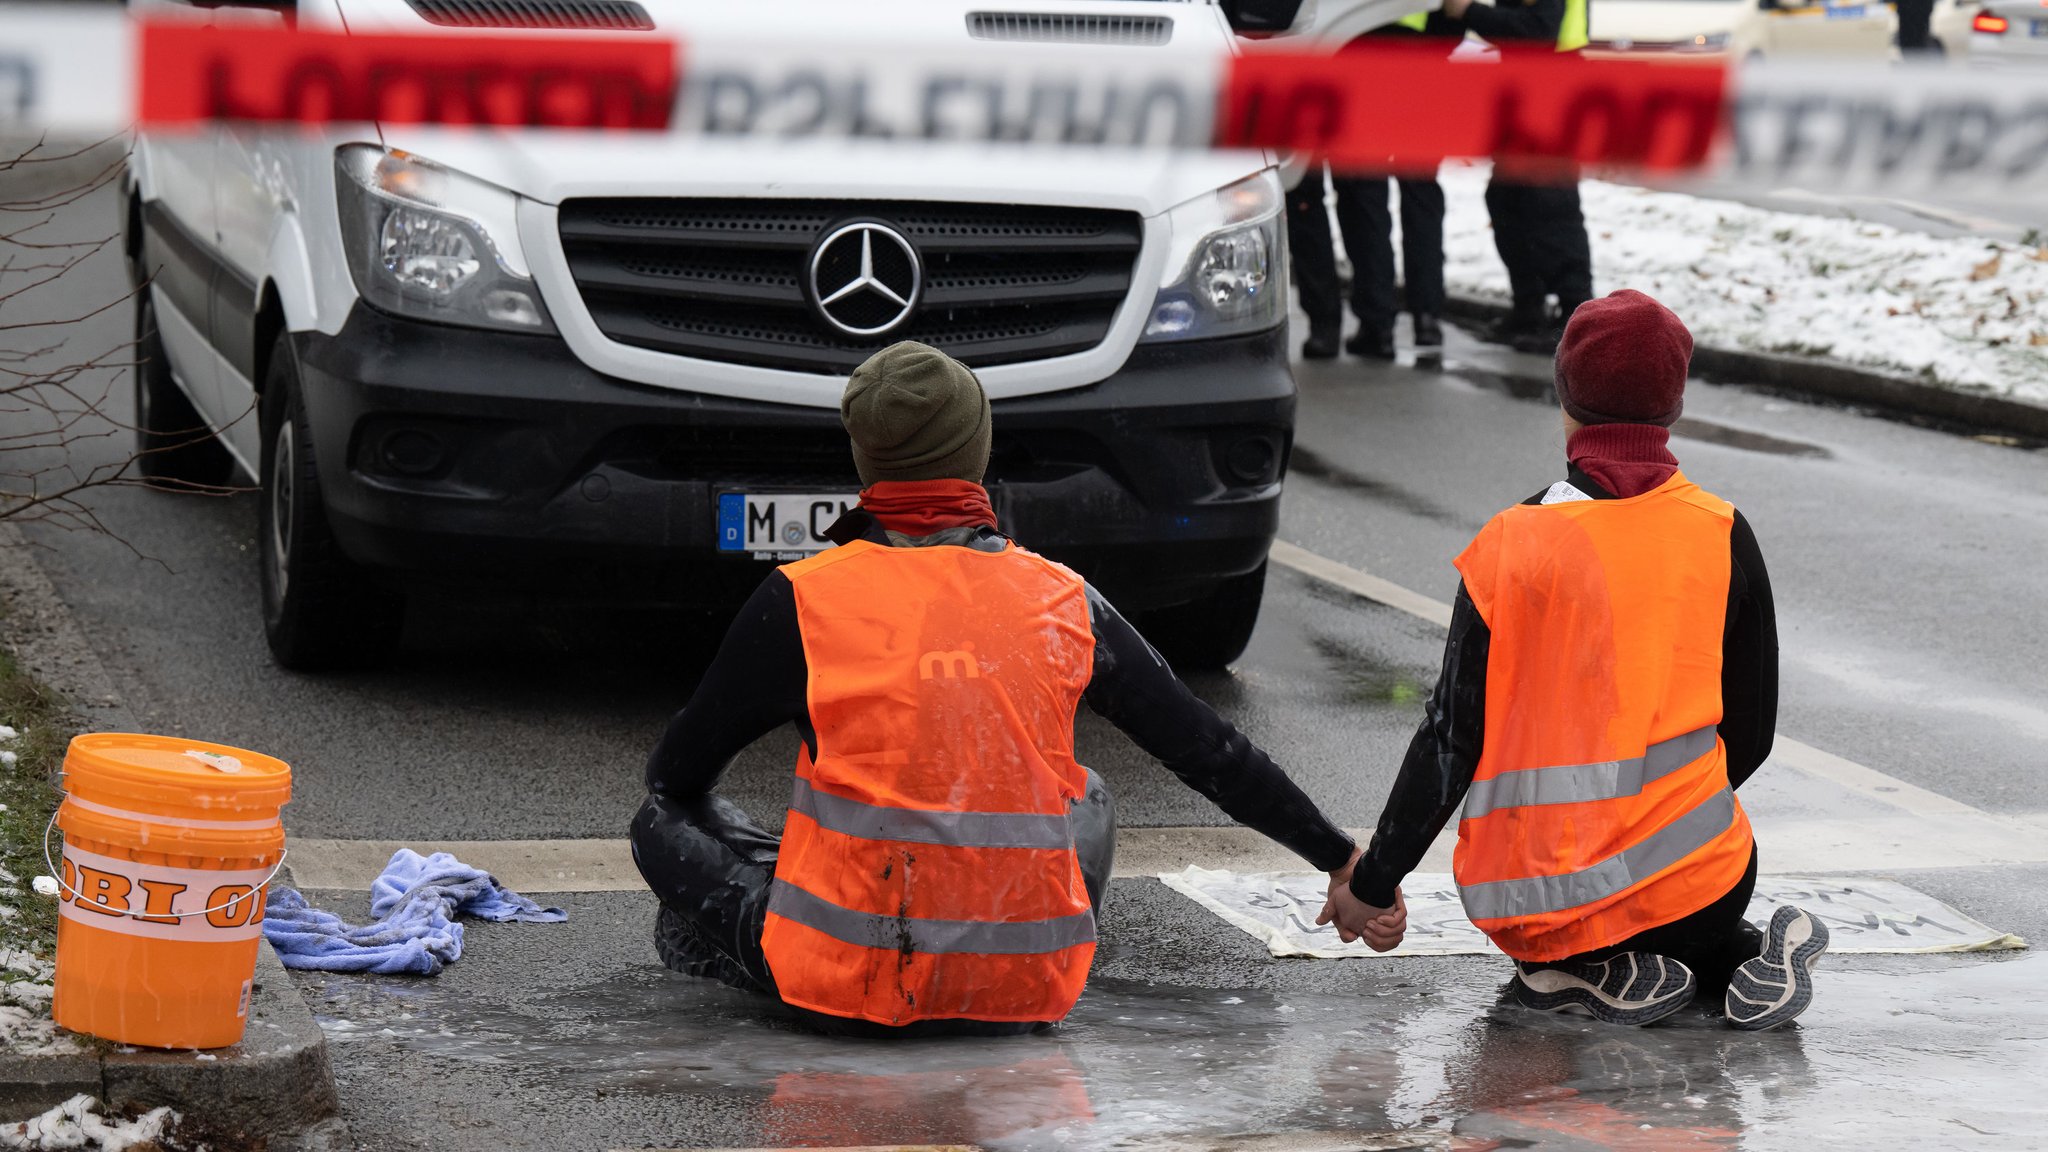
(315, 90)
(860, 125)
(17, 87)
(2030, 155)
(1898, 137)
(731, 102)
(938, 92)
(1795, 146)
(801, 85)
(1972, 133)
(1678, 128)
(1161, 115)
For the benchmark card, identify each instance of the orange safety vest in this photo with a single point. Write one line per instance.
(928, 868)
(1601, 805)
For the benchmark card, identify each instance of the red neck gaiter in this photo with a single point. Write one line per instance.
(1626, 459)
(922, 507)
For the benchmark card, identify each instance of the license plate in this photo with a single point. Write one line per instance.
(2041, 28)
(778, 525)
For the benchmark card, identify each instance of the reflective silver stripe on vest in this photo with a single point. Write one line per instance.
(918, 826)
(1500, 899)
(1577, 783)
(903, 933)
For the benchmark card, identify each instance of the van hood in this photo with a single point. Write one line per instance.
(892, 99)
(551, 167)
(1664, 21)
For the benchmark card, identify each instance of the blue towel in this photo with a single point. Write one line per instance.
(415, 903)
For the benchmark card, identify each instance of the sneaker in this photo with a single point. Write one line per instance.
(1319, 346)
(1633, 988)
(683, 949)
(1778, 985)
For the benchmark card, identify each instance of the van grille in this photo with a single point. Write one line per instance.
(724, 279)
(1069, 28)
(597, 15)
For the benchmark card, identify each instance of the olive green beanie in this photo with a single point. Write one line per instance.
(915, 413)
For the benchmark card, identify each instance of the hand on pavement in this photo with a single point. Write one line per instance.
(1381, 928)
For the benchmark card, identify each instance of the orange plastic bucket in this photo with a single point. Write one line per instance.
(168, 846)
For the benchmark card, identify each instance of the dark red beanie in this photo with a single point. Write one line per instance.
(1623, 361)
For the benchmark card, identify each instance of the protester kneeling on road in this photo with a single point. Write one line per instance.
(945, 856)
(1611, 677)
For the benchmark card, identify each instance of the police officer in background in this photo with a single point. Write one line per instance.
(1537, 227)
(1364, 217)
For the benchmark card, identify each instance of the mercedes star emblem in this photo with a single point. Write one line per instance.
(865, 278)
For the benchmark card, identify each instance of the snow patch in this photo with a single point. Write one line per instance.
(1967, 314)
(76, 1123)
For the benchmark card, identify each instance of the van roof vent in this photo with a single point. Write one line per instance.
(1070, 28)
(596, 15)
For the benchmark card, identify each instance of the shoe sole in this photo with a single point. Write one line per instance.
(1549, 990)
(1777, 986)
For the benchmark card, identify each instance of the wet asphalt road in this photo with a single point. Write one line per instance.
(1907, 564)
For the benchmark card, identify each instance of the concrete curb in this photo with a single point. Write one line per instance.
(276, 1088)
(1828, 380)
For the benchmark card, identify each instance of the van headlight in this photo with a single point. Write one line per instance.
(1226, 269)
(430, 243)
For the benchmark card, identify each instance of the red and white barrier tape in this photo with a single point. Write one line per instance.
(1931, 133)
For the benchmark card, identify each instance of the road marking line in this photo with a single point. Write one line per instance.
(1797, 755)
(1375, 588)
(1943, 839)
(522, 865)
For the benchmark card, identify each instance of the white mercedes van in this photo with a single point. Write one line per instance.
(608, 365)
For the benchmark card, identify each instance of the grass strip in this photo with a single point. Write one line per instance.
(28, 788)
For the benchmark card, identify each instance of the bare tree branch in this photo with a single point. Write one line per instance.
(65, 433)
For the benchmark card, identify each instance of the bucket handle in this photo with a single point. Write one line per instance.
(57, 874)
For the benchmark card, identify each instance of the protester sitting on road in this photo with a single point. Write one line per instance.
(1611, 677)
(945, 857)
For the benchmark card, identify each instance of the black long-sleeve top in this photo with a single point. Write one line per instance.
(1498, 24)
(757, 681)
(1444, 755)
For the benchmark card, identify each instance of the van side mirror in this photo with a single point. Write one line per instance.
(1261, 17)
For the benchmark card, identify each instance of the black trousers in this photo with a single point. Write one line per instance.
(1367, 222)
(1540, 233)
(1916, 18)
(707, 860)
(1713, 941)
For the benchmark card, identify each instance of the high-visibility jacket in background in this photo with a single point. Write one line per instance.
(928, 868)
(1601, 805)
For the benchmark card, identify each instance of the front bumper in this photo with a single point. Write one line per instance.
(501, 464)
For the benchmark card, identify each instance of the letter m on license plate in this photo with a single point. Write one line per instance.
(778, 524)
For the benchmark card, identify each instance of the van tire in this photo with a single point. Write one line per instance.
(1209, 633)
(321, 610)
(174, 447)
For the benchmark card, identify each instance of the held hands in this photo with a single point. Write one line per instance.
(1381, 928)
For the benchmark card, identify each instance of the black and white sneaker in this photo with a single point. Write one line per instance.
(1778, 985)
(1632, 988)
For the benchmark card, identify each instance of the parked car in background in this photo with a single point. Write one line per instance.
(2010, 32)
(1743, 28)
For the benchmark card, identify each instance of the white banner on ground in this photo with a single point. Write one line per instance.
(1862, 915)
